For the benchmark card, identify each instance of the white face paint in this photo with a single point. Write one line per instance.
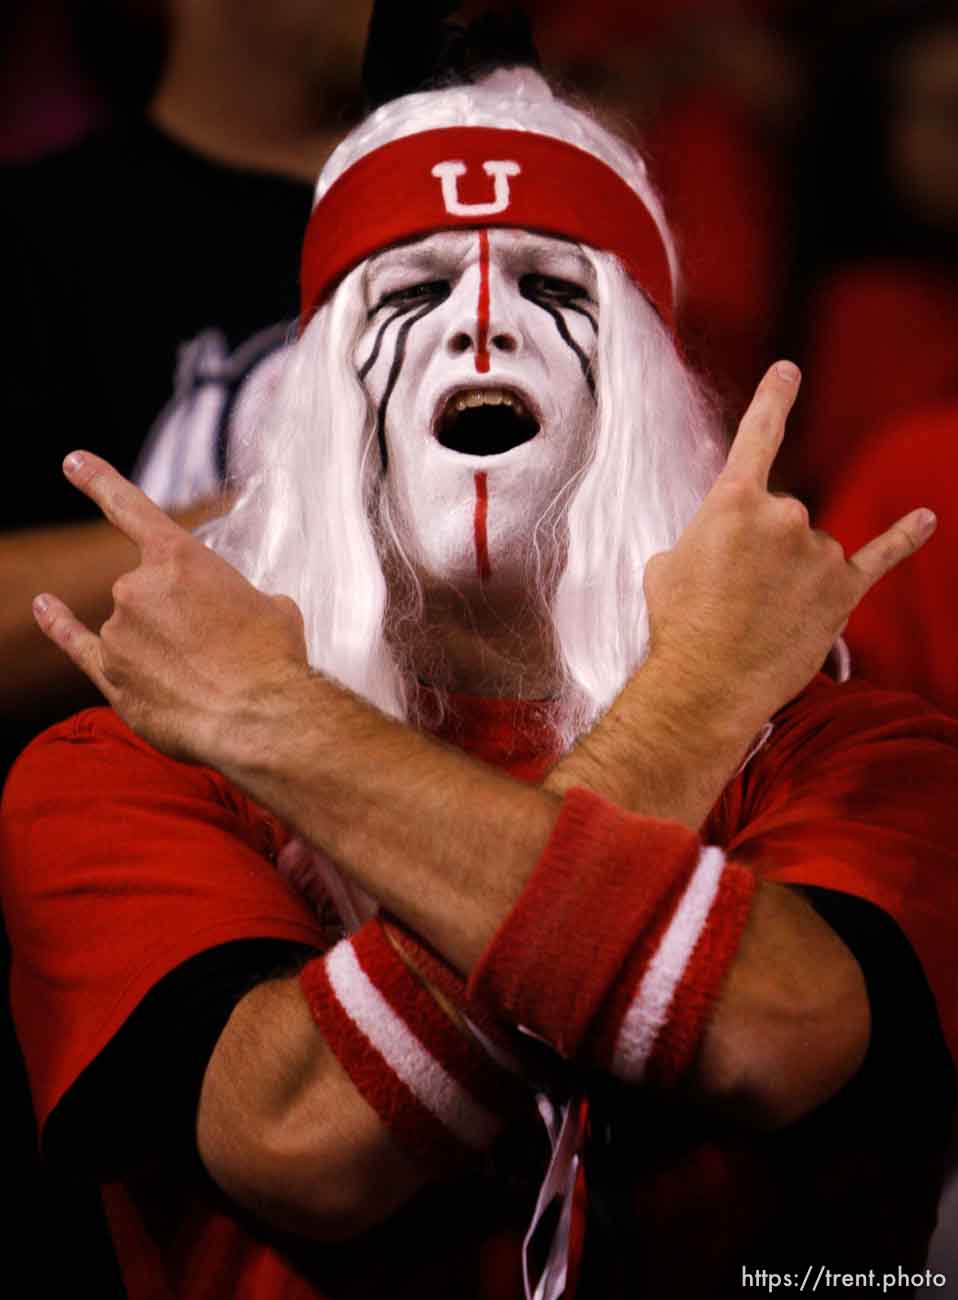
(478, 362)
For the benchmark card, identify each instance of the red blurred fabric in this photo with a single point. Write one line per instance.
(724, 193)
(884, 339)
(568, 28)
(905, 631)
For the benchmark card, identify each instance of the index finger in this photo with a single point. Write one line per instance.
(762, 427)
(121, 501)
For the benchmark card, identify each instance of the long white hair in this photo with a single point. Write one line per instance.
(307, 520)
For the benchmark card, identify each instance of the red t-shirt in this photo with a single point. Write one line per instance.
(121, 864)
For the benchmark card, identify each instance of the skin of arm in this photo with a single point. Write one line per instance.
(409, 819)
(283, 1131)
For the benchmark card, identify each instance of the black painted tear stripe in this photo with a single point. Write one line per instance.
(567, 338)
(398, 357)
(377, 344)
(573, 306)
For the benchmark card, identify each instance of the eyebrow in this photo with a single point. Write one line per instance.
(402, 258)
(414, 256)
(565, 250)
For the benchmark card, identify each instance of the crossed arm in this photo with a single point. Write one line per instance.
(742, 613)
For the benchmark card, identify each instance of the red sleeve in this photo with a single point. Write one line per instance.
(118, 865)
(857, 791)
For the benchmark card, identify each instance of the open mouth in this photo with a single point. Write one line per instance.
(485, 422)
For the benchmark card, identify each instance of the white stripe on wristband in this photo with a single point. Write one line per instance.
(649, 1009)
(433, 1087)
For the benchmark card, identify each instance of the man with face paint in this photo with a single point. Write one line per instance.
(484, 341)
(479, 773)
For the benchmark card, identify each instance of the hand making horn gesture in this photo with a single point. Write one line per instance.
(743, 609)
(748, 603)
(190, 642)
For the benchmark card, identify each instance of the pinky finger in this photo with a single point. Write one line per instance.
(882, 553)
(58, 622)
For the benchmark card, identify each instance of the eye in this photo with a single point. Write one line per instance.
(410, 295)
(550, 287)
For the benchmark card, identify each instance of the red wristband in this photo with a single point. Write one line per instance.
(437, 1091)
(499, 1040)
(601, 880)
(651, 1024)
(620, 941)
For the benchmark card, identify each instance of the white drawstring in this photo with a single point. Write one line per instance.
(565, 1130)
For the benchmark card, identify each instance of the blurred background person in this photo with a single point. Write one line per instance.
(176, 215)
(908, 631)
(873, 305)
(714, 92)
(48, 96)
(158, 166)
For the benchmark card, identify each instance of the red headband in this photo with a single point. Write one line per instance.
(480, 176)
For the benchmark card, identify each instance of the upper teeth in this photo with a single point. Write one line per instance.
(483, 397)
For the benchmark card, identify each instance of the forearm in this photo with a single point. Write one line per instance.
(442, 841)
(792, 1022)
(637, 951)
(284, 1132)
(331, 1098)
(665, 748)
(466, 856)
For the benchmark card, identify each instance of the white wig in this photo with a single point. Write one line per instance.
(308, 520)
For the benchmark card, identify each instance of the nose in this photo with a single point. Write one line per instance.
(484, 317)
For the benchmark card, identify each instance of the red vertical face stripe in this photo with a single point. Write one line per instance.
(482, 308)
(483, 567)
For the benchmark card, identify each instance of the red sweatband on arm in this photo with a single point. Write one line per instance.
(432, 1085)
(500, 1041)
(620, 941)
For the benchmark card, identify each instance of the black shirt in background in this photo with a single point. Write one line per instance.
(114, 253)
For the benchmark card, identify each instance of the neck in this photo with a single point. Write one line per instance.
(230, 94)
(478, 644)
